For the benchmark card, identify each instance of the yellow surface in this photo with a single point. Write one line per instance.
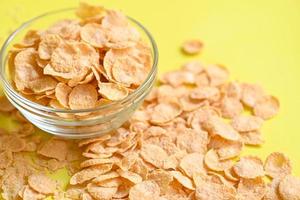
(258, 40)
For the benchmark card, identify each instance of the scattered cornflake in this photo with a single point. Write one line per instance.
(217, 74)
(289, 188)
(251, 93)
(12, 142)
(266, 107)
(226, 149)
(272, 192)
(253, 138)
(192, 47)
(147, 190)
(183, 180)
(231, 107)
(249, 167)
(103, 177)
(217, 126)
(153, 154)
(131, 176)
(244, 123)
(42, 183)
(89, 173)
(213, 162)
(251, 189)
(165, 112)
(162, 178)
(54, 148)
(277, 165)
(209, 190)
(30, 194)
(192, 163)
(101, 193)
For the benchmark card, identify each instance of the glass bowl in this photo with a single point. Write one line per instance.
(100, 119)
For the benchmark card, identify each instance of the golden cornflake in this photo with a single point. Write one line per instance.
(217, 126)
(231, 107)
(12, 143)
(131, 176)
(147, 190)
(208, 190)
(54, 148)
(277, 165)
(62, 92)
(112, 91)
(249, 167)
(103, 177)
(272, 192)
(162, 178)
(226, 148)
(251, 93)
(251, 189)
(213, 162)
(30, 194)
(153, 154)
(217, 74)
(192, 163)
(266, 107)
(48, 44)
(94, 34)
(289, 188)
(244, 123)
(42, 183)
(89, 173)
(83, 97)
(252, 138)
(183, 180)
(205, 93)
(101, 193)
(192, 47)
(165, 112)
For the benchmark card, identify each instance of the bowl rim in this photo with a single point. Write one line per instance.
(3, 61)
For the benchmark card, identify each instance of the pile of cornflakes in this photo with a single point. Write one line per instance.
(80, 64)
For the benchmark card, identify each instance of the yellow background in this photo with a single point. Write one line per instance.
(258, 40)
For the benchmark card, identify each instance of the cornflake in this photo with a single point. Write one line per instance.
(54, 148)
(101, 193)
(251, 189)
(209, 190)
(214, 163)
(277, 165)
(42, 184)
(289, 188)
(192, 46)
(83, 97)
(249, 167)
(146, 190)
(266, 107)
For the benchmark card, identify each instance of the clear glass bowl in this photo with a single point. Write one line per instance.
(101, 119)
